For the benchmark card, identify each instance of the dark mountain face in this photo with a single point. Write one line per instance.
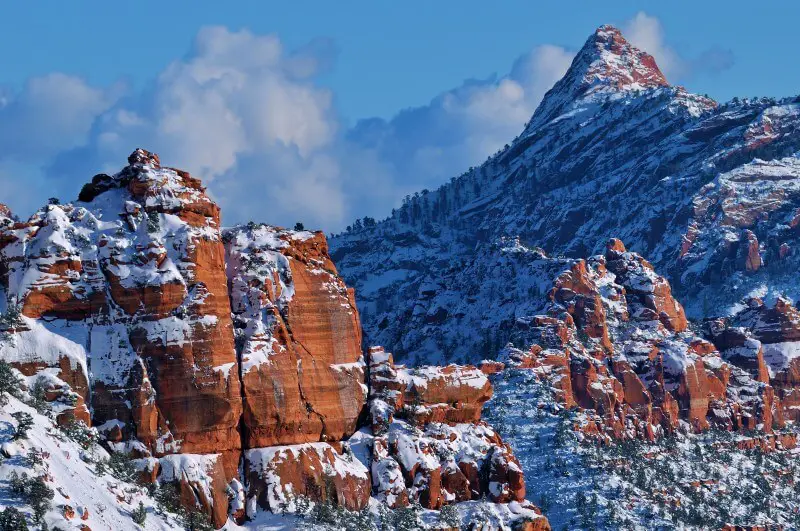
(707, 192)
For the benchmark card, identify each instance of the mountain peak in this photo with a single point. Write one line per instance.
(607, 63)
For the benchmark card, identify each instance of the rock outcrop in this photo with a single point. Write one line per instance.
(224, 359)
(429, 444)
(277, 476)
(298, 336)
(766, 340)
(616, 344)
(130, 287)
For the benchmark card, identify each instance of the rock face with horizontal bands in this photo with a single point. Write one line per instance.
(299, 338)
(132, 283)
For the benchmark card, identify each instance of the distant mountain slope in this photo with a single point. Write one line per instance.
(707, 191)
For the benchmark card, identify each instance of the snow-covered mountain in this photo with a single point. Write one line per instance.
(707, 191)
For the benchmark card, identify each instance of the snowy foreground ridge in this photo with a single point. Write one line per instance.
(620, 278)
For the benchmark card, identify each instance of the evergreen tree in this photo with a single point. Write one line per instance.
(9, 383)
(24, 424)
(448, 516)
(139, 515)
(39, 497)
(12, 520)
(197, 521)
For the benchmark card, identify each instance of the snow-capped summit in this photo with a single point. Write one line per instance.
(606, 65)
(608, 61)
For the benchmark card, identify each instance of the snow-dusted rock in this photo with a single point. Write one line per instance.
(616, 343)
(277, 476)
(429, 444)
(299, 337)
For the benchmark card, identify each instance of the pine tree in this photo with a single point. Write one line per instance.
(139, 515)
(39, 497)
(197, 521)
(448, 516)
(9, 383)
(12, 520)
(24, 424)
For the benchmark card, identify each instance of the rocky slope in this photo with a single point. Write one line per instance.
(716, 479)
(624, 414)
(707, 192)
(83, 495)
(229, 363)
(616, 344)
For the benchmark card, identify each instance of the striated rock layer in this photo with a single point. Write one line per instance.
(298, 335)
(128, 284)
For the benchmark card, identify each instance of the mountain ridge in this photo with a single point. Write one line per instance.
(652, 167)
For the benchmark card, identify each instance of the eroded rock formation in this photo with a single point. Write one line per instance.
(429, 443)
(202, 353)
(616, 344)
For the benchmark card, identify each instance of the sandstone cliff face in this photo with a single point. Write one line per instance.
(765, 339)
(228, 362)
(299, 338)
(130, 287)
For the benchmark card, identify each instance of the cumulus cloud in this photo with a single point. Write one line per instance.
(646, 32)
(235, 95)
(424, 146)
(255, 123)
(50, 114)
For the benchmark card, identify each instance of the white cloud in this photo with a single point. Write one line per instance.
(646, 32)
(254, 122)
(424, 146)
(237, 95)
(50, 114)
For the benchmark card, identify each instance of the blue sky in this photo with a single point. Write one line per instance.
(326, 111)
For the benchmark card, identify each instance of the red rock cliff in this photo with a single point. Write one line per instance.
(220, 359)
